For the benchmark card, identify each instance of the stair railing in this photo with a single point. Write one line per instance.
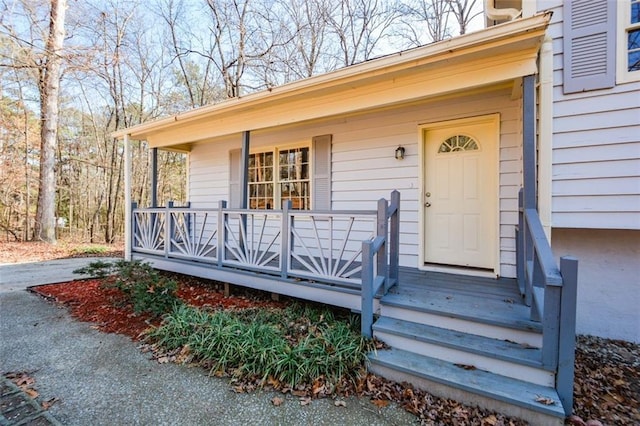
(550, 291)
(383, 251)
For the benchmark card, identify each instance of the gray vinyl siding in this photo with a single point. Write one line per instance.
(363, 167)
(596, 148)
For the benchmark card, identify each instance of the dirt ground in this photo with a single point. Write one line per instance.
(32, 251)
(607, 382)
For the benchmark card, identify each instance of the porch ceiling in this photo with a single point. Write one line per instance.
(497, 54)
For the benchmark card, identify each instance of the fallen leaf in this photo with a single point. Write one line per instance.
(380, 403)
(305, 401)
(491, 420)
(47, 404)
(544, 400)
(339, 403)
(163, 360)
(31, 392)
(299, 392)
(273, 382)
(317, 388)
(465, 366)
(277, 401)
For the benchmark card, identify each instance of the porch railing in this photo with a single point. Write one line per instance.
(345, 248)
(380, 258)
(550, 291)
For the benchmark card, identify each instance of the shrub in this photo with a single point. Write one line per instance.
(296, 345)
(144, 287)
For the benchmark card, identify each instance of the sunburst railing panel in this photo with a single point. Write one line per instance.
(253, 239)
(148, 231)
(194, 234)
(328, 246)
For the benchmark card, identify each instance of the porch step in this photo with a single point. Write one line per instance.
(498, 319)
(472, 386)
(507, 358)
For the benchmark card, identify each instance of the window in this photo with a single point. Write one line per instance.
(458, 143)
(633, 37)
(280, 175)
(629, 40)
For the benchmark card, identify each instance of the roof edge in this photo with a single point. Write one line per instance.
(398, 60)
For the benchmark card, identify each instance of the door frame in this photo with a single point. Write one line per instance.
(494, 119)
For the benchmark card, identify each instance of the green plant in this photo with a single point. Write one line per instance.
(99, 268)
(91, 249)
(144, 287)
(295, 345)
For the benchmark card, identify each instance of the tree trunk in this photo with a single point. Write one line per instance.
(49, 89)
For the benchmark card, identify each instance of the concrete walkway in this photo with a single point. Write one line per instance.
(103, 379)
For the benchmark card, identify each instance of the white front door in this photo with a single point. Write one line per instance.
(460, 193)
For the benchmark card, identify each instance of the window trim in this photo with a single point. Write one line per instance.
(277, 190)
(624, 24)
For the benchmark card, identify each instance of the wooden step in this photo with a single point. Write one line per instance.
(539, 405)
(499, 319)
(507, 358)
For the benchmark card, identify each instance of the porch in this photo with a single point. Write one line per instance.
(502, 343)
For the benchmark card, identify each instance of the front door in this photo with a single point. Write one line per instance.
(460, 193)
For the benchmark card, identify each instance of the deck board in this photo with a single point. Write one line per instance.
(412, 281)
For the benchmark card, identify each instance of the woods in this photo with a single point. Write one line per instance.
(73, 72)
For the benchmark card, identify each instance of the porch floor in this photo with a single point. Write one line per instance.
(488, 300)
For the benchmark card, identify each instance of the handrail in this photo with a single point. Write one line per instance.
(371, 282)
(386, 274)
(542, 248)
(550, 291)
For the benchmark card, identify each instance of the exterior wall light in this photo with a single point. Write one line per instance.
(400, 153)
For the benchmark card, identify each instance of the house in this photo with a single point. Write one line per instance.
(428, 188)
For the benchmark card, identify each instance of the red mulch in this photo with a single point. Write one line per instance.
(107, 308)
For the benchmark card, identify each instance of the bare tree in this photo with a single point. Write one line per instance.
(49, 85)
(464, 11)
(425, 17)
(360, 26)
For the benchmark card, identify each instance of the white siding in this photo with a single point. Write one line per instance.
(364, 168)
(209, 173)
(596, 149)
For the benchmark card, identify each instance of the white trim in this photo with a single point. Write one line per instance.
(623, 24)
(545, 134)
(127, 197)
(529, 8)
(458, 270)
(494, 119)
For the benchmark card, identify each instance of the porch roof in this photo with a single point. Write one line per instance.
(497, 54)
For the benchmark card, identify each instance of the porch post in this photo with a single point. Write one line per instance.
(127, 198)
(244, 182)
(529, 141)
(154, 177)
(244, 176)
(566, 350)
